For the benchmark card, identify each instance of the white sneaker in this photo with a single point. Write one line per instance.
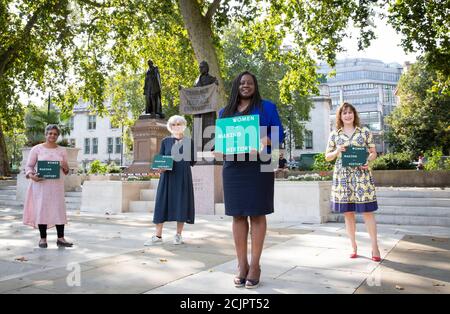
(178, 239)
(154, 240)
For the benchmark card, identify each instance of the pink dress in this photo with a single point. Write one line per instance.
(44, 201)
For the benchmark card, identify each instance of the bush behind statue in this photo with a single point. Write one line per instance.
(97, 167)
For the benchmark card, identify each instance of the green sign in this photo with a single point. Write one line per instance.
(237, 135)
(354, 156)
(162, 162)
(48, 169)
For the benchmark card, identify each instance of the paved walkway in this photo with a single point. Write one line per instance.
(111, 258)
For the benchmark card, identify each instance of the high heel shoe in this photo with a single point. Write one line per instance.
(376, 258)
(239, 282)
(354, 254)
(253, 283)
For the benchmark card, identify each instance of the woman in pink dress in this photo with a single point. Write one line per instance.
(45, 205)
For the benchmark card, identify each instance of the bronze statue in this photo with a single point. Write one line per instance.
(152, 91)
(204, 78)
(208, 119)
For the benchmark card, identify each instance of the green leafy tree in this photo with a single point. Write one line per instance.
(422, 119)
(73, 47)
(269, 73)
(37, 119)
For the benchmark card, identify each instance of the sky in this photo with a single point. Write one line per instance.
(386, 47)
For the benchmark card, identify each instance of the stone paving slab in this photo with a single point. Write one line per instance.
(298, 258)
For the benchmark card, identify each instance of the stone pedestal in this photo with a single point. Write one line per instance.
(71, 181)
(147, 134)
(208, 188)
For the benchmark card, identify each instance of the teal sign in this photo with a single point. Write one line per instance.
(162, 162)
(48, 169)
(354, 156)
(237, 135)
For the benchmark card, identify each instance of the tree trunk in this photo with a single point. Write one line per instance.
(4, 164)
(201, 37)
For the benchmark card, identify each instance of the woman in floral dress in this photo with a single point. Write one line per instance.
(353, 189)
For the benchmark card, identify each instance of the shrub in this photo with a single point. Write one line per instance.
(113, 168)
(393, 161)
(98, 168)
(435, 160)
(311, 177)
(321, 164)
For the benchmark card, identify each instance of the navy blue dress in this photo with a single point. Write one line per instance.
(248, 191)
(175, 194)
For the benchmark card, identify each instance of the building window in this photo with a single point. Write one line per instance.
(118, 145)
(87, 146)
(72, 123)
(110, 145)
(308, 139)
(92, 122)
(95, 145)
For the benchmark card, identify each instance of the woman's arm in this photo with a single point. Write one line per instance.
(30, 171)
(65, 164)
(333, 155)
(275, 121)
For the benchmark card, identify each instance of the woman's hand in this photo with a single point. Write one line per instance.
(65, 167)
(364, 167)
(218, 156)
(339, 150)
(264, 142)
(35, 178)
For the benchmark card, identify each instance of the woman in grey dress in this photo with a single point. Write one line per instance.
(175, 194)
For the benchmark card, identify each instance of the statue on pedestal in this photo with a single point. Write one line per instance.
(152, 92)
(209, 118)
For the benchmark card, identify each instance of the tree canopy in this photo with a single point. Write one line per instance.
(422, 119)
(75, 47)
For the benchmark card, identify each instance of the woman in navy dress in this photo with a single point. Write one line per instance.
(248, 180)
(175, 194)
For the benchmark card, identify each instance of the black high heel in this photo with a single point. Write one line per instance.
(253, 283)
(239, 282)
(43, 245)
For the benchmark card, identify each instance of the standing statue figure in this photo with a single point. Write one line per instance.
(152, 91)
(207, 119)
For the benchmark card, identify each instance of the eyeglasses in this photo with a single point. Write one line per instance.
(176, 124)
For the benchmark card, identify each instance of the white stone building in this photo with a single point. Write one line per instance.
(97, 138)
(317, 129)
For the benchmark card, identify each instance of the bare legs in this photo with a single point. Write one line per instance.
(369, 219)
(159, 228)
(350, 226)
(371, 226)
(258, 232)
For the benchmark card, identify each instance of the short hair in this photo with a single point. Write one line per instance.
(175, 119)
(339, 122)
(52, 127)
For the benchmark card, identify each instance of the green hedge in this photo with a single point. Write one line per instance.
(393, 161)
